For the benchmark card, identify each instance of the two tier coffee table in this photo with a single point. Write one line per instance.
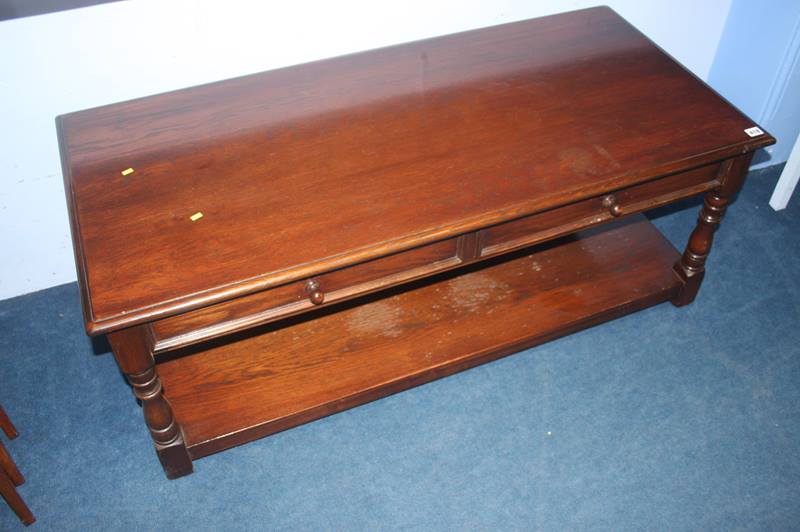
(271, 249)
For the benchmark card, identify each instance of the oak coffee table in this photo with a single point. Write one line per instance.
(271, 249)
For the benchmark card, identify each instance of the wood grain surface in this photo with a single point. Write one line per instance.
(307, 169)
(354, 281)
(232, 392)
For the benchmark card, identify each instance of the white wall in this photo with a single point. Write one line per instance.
(62, 62)
(761, 75)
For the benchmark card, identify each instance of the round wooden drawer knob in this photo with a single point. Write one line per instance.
(610, 203)
(315, 294)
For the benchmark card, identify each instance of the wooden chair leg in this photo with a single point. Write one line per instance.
(10, 476)
(9, 493)
(6, 425)
(9, 467)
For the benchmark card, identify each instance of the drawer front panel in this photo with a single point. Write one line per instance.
(570, 218)
(389, 270)
(292, 298)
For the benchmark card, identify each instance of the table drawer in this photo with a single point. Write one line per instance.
(570, 218)
(293, 298)
(299, 296)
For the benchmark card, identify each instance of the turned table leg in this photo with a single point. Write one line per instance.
(691, 267)
(134, 355)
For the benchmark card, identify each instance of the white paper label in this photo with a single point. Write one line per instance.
(753, 131)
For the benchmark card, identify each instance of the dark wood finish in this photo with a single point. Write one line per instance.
(420, 170)
(691, 268)
(570, 218)
(133, 351)
(10, 475)
(234, 392)
(287, 300)
(377, 145)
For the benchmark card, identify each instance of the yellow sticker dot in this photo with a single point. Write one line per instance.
(196, 216)
(127, 171)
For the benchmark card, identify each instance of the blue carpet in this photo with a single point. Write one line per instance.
(668, 419)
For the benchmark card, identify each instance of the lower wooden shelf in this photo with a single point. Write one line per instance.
(289, 373)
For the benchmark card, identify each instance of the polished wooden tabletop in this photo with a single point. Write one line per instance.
(308, 168)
